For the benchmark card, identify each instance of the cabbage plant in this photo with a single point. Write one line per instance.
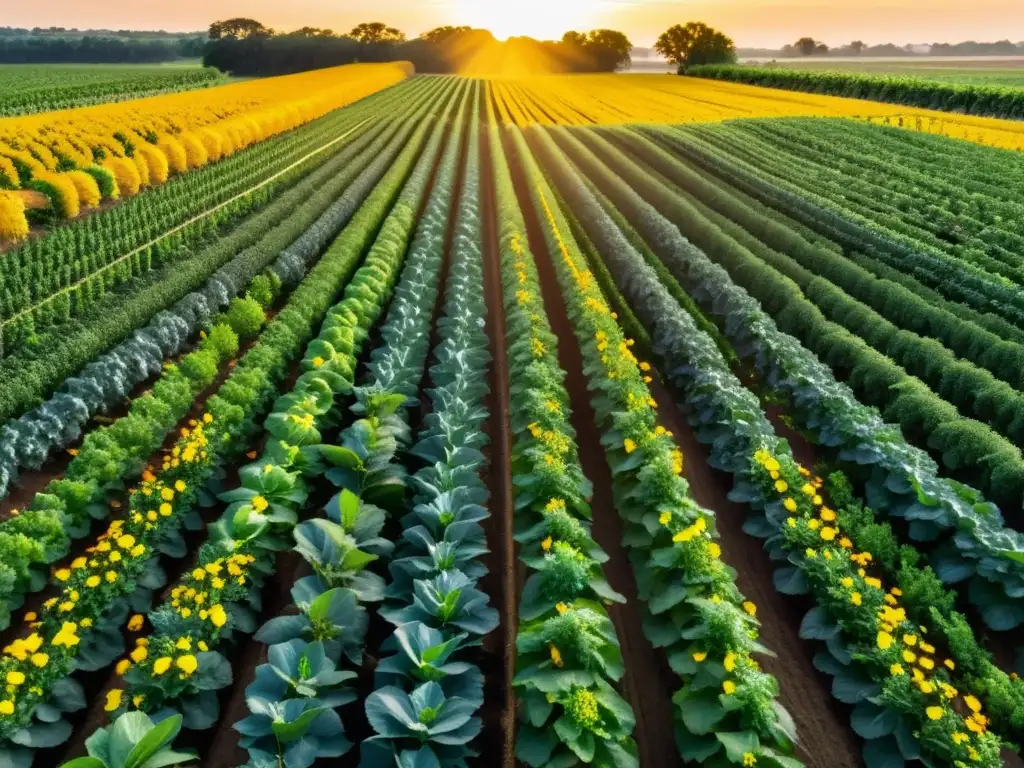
(134, 741)
(425, 655)
(422, 728)
(333, 617)
(297, 669)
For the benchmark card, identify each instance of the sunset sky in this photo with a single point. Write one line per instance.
(750, 22)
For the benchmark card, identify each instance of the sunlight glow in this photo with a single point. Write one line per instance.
(540, 19)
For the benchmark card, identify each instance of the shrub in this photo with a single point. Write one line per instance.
(262, 289)
(246, 317)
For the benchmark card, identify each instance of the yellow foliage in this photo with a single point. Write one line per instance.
(189, 128)
(174, 152)
(126, 174)
(87, 188)
(142, 167)
(156, 162)
(13, 224)
(9, 178)
(587, 99)
(66, 201)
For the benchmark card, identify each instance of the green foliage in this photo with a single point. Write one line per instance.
(245, 316)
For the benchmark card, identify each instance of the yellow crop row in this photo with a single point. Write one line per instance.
(144, 141)
(585, 99)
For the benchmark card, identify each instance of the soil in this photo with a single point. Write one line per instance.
(648, 683)
(505, 568)
(822, 722)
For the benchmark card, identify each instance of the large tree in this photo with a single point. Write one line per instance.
(376, 32)
(238, 29)
(808, 46)
(440, 34)
(695, 43)
(610, 49)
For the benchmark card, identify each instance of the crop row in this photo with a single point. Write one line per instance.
(75, 157)
(29, 89)
(95, 475)
(568, 654)
(193, 463)
(913, 91)
(881, 659)
(267, 236)
(727, 705)
(968, 541)
(52, 279)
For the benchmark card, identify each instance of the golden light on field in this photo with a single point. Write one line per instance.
(539, 19)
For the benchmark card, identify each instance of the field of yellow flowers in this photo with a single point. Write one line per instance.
(556, 421)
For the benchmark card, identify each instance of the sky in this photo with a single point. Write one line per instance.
(751, 23)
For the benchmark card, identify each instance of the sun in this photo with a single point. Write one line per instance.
(539, 19)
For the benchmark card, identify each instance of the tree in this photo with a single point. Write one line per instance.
(578, 39)
(858, 46)
(820, 49)
(610, 49)
(695, 43)
(312, 32)
(441, 34)
(376, 32)
(238, 29)
(806, 46)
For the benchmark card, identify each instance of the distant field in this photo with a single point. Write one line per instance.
(30, 88)
(1000, 71)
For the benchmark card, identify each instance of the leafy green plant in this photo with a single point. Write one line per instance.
(297, 669)
(134, 741)
(449, 601)
(332, 617)
(421, 728)
(295, 733)
(426, 655)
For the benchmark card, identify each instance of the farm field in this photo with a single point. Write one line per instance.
(28, 88)
(979, 70)
(564, 421)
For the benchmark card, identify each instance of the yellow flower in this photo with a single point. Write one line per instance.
(113, 700)
(934, 713)
(6, 707)
(749, 759)
(31, 616)
(926, 662)
(972, 703)
(187, 664)
(729, 687)
(139, 654)
(789, 504)
(67, 636)
(750, 608)
(827, 514)
(561, 608)
(546, 544)
(135, 622)
(781, 486)
(959, 738)
(730, 662)
(15, 678)
(93, 581)
(910, 639)
(855, 598)
(126, 542)
(884, 640)
(629, 445)
(556, 657)
(828, 533)
(167, 494)
(714, 550)
(949, 664)
(123, 666)
(39, 659)
(699, 656)
(909, 656)
(665, 518)
(259, 503)
(896, 670)
(218, 616)
(62, 575)
(180, 486)
(161, 665)
(184, 644)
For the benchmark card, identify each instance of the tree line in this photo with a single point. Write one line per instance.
(57, 45)
(244, 46)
